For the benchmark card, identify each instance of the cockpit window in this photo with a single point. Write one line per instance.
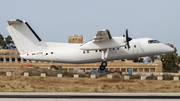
(153, 41)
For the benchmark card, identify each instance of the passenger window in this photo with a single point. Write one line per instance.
(84, 52)
(87, 51)
(134, 46)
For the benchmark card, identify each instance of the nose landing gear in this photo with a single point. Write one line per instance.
(162, 59)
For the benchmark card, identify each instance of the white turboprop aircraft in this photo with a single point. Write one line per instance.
(102, 48)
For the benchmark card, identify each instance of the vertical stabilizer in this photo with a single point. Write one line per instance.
(24, 37)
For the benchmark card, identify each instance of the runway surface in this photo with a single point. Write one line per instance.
(36, 96)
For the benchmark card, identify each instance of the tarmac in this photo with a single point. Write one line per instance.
(61, 96)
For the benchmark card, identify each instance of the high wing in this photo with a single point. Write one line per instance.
(102, 35)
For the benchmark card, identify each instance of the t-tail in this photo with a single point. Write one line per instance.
(24, 37)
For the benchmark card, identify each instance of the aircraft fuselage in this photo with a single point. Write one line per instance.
(71, 53)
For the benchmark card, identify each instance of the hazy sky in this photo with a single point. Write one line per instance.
(55, 20)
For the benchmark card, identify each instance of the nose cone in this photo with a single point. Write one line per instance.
(169, 49)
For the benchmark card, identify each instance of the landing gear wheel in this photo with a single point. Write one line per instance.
(104, 63)
(162, 59)
(102, 68)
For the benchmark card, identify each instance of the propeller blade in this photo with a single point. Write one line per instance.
(128, 39)
(126, 33)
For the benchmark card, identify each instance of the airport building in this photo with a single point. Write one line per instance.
(11, 59)
(75, 39)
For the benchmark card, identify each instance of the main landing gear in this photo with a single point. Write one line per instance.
(103, 65)
(104, 57)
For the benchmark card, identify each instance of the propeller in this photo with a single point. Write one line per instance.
(128, 39)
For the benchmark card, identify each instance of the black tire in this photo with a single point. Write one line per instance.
(104, 63)
(102, 68)
(162, 59)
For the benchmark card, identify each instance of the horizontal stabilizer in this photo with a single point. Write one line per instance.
(17, 21)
